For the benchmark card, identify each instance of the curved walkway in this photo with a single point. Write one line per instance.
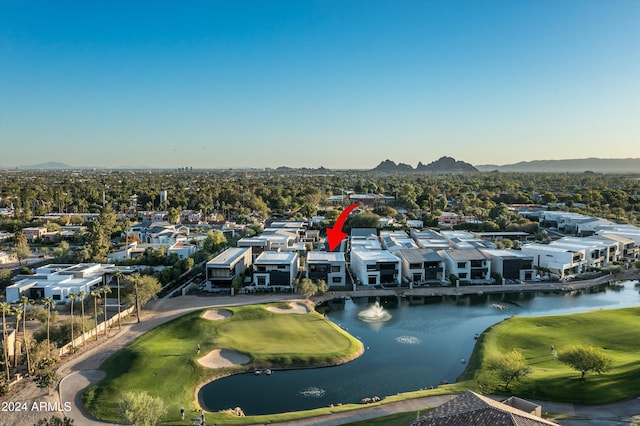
(82, 370)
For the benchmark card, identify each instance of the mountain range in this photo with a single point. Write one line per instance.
(596, 165)
(442, 165)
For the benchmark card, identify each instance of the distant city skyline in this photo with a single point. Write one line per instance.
(344, 85)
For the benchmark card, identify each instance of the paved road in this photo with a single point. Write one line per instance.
(83, 369)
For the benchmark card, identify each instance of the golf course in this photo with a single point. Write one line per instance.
(615, 332)
(165, 361)
(175, 359)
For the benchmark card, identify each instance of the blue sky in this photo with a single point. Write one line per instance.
(342, 84)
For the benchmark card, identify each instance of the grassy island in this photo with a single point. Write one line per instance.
(164, 361)
(614, 331)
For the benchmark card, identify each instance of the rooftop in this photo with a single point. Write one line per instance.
(228, 256)
(271, 257)
(325, 256)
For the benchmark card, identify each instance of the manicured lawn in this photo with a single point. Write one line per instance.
(163, 361)
(616, 332)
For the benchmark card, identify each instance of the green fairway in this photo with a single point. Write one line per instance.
(616, 332)
(163, 361)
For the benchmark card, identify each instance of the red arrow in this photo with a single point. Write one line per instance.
(335, 234)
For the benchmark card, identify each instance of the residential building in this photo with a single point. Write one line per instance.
(182, 249)
(429, 239)
(471, 408)
(420, 266)
(275, 269)
(57, 281)
(596, 252)
(561, 261)
(469, 265)
(396, 240)
(627, 249)
(466, 240)
(226, 267)
(328, 266)
(34, 233)
(511, 264)
(375, 267)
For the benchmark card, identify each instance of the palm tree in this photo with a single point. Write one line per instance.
(25, 301)
(72, 296)
(17, 313)
(48, 303)
(6, 310)
(106, 290)
(135, 280)
(81, 295)
(96, 295)
(118, 274)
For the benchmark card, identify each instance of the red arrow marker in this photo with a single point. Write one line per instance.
(335, 234)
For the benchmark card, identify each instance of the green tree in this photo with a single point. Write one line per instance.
(6, 310)
(215, 241)
(25, 301)
(4, 384)
(509, 367)
(140, 408)
(141, 289)
(584, 359)
(62, 252)
(5, 278)
(306, 287)
(55, 421)
(48, 304)
(98, 237)
(105, 289)
(118, 275)
(96, 295)
(363, 220)
(21, 249)
(44, 375)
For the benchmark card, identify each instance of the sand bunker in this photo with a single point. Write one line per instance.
(220, 358)
(216, 314)
(295, 308)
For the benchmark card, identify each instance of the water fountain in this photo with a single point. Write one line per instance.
(374, 313)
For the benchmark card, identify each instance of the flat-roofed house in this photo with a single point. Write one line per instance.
(275, 269)
(396, 240)
(226, 267)
(627, 248)
(469, 265)
(561, 261)
(328, 266)
(420, 266)
(511, 264)
(375, 267)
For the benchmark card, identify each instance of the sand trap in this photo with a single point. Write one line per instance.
(295, 308)
(216, 314)
(220, 358)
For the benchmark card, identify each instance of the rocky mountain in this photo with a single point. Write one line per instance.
(597, 165)
(442, 165)
(446, 165)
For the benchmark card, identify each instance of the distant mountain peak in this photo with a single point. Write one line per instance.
(442, 165)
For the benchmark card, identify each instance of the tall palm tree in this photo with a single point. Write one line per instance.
(106, 290)
(17, 313)
(96, 295)
(72, 296)
(81, 296)
(48, 303)
(118, 274)
(135, 280)
(25, 301)
(6, 310)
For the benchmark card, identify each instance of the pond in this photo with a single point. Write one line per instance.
(418, 346)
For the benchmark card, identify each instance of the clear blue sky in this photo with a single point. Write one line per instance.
(343, 84)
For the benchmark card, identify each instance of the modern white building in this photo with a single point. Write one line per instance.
(627, 248)
(182, 249)
(469, 265)
(421, 266)
(375, 267)
(328, 266)
(275, 269)
(560, 261)
(598, 253)
(396, 240)
(466, 240)
(226, 267)
(57, 281)
(429, 239)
